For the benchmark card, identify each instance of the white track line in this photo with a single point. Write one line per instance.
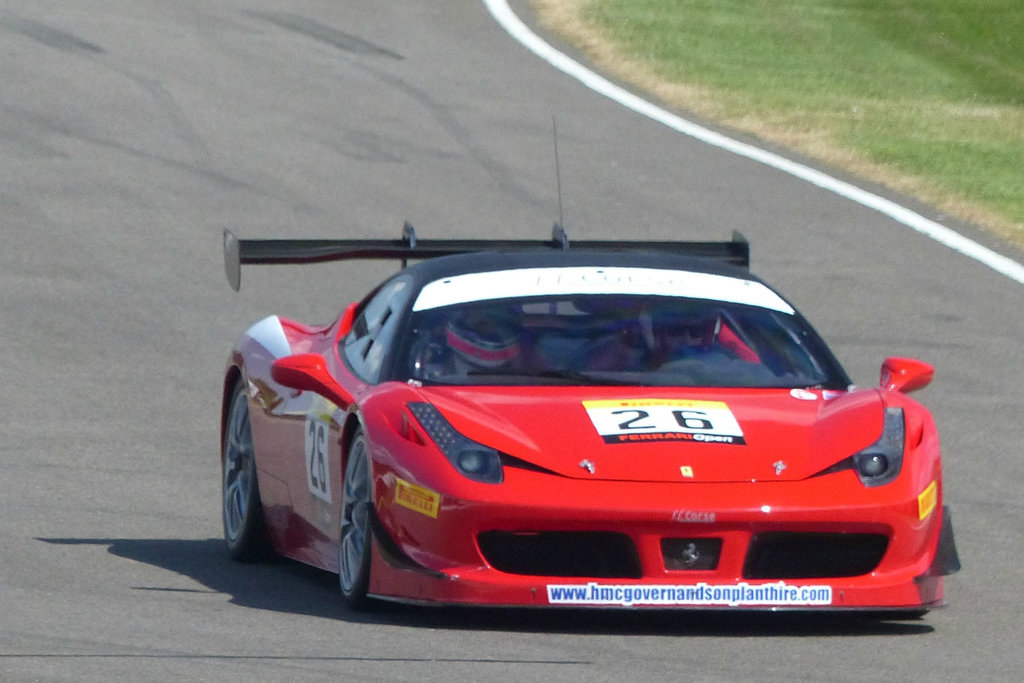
(500, 10)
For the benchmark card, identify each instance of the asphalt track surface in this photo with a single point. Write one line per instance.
(132, 133)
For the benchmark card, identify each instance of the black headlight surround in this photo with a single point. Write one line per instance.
(472, 460)
(881, 462)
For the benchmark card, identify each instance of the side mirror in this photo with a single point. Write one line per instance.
(905, 374)
(308, 372)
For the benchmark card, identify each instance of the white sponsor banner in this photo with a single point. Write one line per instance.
(691, 595)
(506, 284)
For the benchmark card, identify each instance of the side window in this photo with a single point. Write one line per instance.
(373, 332)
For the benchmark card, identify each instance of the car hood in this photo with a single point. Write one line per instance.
(700, 435)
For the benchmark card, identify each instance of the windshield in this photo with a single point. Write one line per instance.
(616, 339)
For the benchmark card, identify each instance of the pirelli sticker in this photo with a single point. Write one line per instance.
(927, 500)
(417, 498)
(653, 419)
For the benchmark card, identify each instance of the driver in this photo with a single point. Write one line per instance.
(483, 339)
(678, 335)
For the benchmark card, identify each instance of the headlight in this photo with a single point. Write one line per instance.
(474, 460)
(880, 462)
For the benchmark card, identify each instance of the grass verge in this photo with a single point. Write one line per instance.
(924, 97)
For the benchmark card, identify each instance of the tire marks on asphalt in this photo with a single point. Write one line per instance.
(50, 36)
(325, 34)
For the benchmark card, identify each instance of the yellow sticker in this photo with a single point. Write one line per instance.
(927, 499)
(687, 471)
(417, 498)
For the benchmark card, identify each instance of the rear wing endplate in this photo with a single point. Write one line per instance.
(279, 251)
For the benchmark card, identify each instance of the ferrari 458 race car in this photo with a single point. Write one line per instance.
(612, 424)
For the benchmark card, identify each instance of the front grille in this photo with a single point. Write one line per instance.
(794, 555)
(561, 553)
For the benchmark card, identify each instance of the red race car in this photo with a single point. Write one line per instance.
(613, 424)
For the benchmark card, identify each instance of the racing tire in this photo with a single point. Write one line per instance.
(356, 541)
(245, 531)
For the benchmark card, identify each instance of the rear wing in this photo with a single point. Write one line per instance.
(277, 251)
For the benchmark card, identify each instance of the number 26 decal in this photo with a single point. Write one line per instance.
(636, 420)
(694, 420)
(317, 471)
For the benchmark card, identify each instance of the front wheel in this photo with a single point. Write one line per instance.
(356, 536)
(244, 530)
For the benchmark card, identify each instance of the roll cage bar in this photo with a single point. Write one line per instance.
(284, 251)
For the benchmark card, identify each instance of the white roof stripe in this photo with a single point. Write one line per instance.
(505, 284)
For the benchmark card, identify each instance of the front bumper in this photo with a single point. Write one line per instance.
(538, 540)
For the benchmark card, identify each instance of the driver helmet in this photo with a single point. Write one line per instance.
(675, 328)
(483, 338)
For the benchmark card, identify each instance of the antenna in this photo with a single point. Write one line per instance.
(558, 173)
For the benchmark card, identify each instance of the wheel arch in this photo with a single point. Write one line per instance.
(353, 424)
(232, 378)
